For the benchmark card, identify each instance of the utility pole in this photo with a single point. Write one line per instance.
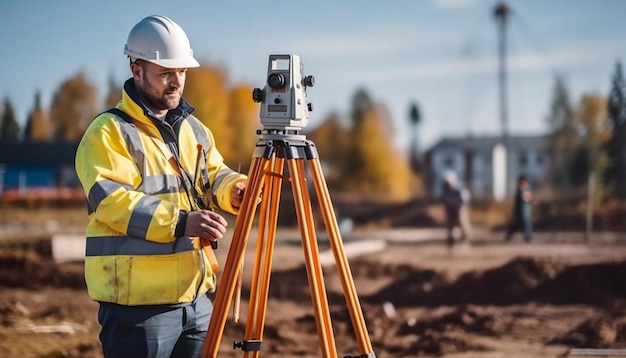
(501, 13)
(415, 118)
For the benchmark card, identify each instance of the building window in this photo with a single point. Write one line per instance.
(448, 162)
(539, 160)
(523, 160)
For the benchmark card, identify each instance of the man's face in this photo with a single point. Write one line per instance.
(160, 87)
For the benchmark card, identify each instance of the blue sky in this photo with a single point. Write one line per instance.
(440, 53)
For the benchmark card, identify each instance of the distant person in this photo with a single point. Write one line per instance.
(521, 211)
(455, 199)
(152, 175)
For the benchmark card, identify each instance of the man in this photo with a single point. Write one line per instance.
(521, 211)
(455, 199)
(151, 174)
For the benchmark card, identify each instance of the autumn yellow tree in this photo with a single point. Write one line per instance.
(362, 158)
(590, 158)
(206, 89)
(74, 105)
(383, 170)
(38, 127)
(114, 93)
(332, 141)
(243, 119)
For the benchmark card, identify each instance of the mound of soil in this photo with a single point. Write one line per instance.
(522, 280)
(527, 307)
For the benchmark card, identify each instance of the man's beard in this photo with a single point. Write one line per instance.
(156, 101)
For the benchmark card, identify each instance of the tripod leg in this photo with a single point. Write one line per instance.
(332, 229)
(259, 288)
(311, 252)
(234, 259)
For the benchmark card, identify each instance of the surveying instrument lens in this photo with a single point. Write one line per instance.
(282, 147)
(276, 80)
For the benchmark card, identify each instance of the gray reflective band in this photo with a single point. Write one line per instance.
(160, 184)
(100, 190)
(142, 216)
(151, 185)
(126, 245)
(131, 137)
(198, 131)
(218, 181)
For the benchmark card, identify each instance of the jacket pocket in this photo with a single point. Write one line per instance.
(153, 280)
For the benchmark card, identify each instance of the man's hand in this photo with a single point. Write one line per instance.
(236, 194)
(205, 224)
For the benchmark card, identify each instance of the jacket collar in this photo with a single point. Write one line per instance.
(133, 104)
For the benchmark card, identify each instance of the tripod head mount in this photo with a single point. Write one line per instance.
(284, 107)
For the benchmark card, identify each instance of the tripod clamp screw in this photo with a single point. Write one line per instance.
(252, 345)
(368, 355)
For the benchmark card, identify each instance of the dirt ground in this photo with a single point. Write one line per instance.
(490, 299)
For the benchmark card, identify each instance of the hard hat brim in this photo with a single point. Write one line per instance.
(176, 63)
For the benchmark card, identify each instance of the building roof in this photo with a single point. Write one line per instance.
(37, 153)
(487, 143)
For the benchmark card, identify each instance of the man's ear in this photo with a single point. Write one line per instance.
(136, 70)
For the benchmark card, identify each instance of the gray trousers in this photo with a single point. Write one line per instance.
(154, 331)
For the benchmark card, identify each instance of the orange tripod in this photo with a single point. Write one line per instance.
(266, 176)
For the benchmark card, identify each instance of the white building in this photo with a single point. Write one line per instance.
(487, 166)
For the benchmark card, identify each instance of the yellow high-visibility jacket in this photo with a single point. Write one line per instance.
(136, 194)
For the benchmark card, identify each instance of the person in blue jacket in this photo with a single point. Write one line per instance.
(522, 220)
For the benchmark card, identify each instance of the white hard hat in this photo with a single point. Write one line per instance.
(159, 40)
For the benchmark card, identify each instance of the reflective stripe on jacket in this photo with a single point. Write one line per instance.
(135, 194)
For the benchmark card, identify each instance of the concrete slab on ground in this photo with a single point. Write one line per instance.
(68, 247)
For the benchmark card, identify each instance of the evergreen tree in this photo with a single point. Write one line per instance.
(564, 137)
(9, 129)
(616, 146)
(361, 105)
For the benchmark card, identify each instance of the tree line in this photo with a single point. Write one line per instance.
(356, 152)
(587, 138)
